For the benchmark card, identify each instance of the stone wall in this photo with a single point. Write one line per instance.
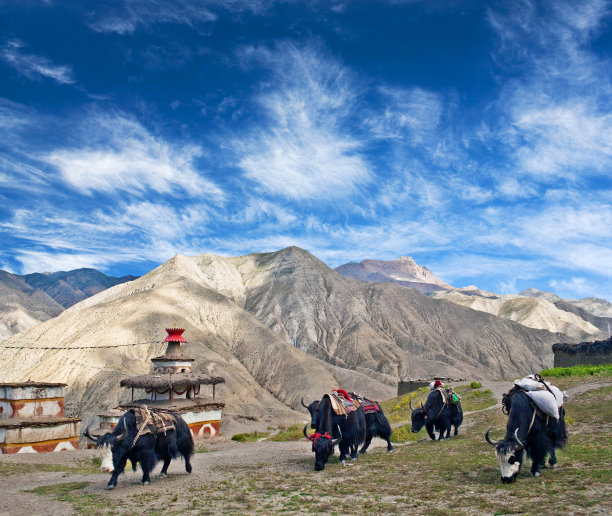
(404, 387)
(585, 353)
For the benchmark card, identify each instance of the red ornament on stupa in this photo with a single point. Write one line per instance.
(175, 335)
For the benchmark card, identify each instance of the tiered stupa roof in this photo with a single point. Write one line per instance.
(172, 369)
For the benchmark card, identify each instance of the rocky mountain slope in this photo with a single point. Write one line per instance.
(403, 271)
(531, 308)
(596, 311)
(276, 326)
(22, 306)
(528, 311)
(70, 287)
(33, 298)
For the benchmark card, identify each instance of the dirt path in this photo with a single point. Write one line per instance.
(224, 456)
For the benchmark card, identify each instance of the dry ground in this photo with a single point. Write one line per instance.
(459, 476)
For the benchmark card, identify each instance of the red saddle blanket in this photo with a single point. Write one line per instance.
(370, 407)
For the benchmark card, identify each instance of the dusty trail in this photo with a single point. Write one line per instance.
(224, 456)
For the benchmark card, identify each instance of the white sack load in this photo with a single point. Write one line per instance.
(546, 401)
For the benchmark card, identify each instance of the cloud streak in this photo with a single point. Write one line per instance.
(120, 155)
(35, 67)
(302, 151)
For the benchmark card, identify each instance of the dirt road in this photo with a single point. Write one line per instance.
(29, 471)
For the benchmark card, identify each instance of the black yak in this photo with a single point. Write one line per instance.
(528, 430)
(124, 443)
(348, 431)
(376, 425)
(437, 414)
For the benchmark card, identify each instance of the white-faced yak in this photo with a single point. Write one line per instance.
(528, 430)
(437, 414)
(128, 440)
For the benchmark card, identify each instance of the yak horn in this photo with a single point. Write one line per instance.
(125, 432)
(518, 440)
(302, 402)
(492, 443)
(89, 436)
(305, 434)
(336, 441)
(410, 405)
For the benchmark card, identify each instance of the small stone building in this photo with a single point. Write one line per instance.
(585, 353)
(32, 419)
(406, 386)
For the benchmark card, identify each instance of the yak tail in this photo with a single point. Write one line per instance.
(184, 440)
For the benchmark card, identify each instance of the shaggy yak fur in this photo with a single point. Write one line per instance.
(538, 440)
(437, 415)
(346, 431)
(148, 449)
(376, 424)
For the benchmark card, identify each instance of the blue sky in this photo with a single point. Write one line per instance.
(474, 136)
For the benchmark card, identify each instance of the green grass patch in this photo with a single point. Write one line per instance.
(82, 467)
(398, 410)
(403, 434)
(250, 437)
(475, 385)
(475, 398)
(292, 433)
(72, 492)
(579, 370)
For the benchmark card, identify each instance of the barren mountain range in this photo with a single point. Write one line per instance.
(277, 326)
(33, 298)
(586, 319)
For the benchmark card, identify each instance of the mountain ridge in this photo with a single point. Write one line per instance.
(277, 326)
(531, 307)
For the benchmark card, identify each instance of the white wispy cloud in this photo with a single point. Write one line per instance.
(260, 210)
(33, 66)
(409, 113)
(558, 123)
(119, 154)
(128, 232)
(52, 261)
(564, 139)
(511, 188)
(155, 220)
(579, 285)
(127, 16)
(303, 150)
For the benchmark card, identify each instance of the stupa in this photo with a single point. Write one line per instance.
(173, 386)
(32, 419)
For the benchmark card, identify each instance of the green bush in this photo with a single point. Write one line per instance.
(579, 370)
(402, 434)
(475, 385)
(481, 394)
(249, 438)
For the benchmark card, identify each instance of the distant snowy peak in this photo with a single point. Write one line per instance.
(404, 271)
